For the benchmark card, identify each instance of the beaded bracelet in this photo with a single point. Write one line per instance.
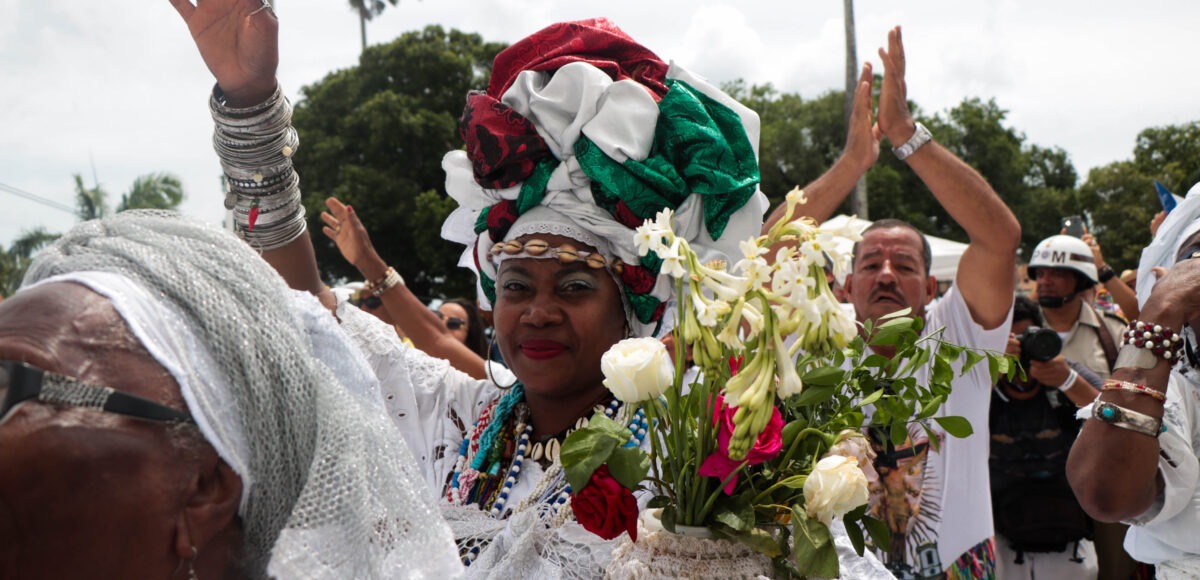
(1160, 340)
(389, 279)
(1116, 385)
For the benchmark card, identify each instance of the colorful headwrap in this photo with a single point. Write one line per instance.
(596, 130)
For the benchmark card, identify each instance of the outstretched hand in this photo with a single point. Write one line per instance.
(344, 228)
(239, 42)
(895, 120)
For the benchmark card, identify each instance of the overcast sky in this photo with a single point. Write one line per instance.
(119, 85)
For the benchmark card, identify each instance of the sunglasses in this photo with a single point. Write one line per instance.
(20, 382)
(453, 322)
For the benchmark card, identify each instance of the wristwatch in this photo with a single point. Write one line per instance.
(1106, 273)
(1118, 416)
(919, 138)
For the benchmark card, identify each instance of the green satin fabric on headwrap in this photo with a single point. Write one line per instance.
(700, 146)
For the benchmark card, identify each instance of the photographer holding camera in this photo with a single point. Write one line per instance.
(1064, 268)
(1041, 530)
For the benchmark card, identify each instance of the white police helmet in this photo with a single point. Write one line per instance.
(1064, 252)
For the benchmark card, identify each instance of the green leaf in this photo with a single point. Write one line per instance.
(658, 501)
(814, 552)
(881, 536)
(668, 519)
(876, 361)
(871, 399)
(973, 359)
(628, 466)
(955, 425)
(855, 533)
(899, 433)
(952, 351)
(823, 377)
(930, 436)
(928, 408)
(815, 395)
(737, 513)
(993, 368)
(942, 371)
(760, 541)
(584, 451)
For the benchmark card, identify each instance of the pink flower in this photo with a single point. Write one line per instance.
(768, 445)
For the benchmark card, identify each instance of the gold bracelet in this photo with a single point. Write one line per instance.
(1115, 385)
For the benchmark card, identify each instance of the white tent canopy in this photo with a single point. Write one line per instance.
(946, 253)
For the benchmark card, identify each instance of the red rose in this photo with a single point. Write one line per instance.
(766, 447)
(605, 507)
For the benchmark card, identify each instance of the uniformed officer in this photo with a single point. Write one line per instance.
(1064, 269)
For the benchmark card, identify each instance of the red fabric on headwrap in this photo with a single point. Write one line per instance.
(597, 42)
(503, 146)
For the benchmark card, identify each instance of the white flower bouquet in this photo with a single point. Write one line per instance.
(765, 446)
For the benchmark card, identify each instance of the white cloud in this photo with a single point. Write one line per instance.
(120, 82)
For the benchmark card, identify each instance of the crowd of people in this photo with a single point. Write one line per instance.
(232, 416)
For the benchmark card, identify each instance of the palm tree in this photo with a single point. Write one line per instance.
(15, 261)
(368, 10)
(89, 203)
(153, 191)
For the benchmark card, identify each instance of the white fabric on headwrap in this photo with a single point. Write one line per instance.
(1181, 223)
(619, 117)
(330, 490)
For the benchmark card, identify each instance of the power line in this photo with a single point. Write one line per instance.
(37, 198)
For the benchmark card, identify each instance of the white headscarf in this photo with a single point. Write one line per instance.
(330, 490)
(1181, 223)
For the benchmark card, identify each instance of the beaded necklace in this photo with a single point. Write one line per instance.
(476, 478)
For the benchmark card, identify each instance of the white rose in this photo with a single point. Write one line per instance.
(637, 369)
(834, 488)
(853, 445)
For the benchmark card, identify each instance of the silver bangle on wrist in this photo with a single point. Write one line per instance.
(919, 138)
(1128, 419)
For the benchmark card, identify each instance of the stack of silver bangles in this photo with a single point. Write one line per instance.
(255, 145)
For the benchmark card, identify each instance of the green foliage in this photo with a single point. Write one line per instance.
(801, 138)
(374, 136)
(15, 261)
(153, 191)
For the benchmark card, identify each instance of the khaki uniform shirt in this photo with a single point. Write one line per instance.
(1082, 344)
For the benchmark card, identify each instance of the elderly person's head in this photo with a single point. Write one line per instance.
(581, 136)
(171, 406)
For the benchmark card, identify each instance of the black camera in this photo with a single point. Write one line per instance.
(1040, 344)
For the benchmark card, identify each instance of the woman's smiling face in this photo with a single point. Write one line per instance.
(554, 321)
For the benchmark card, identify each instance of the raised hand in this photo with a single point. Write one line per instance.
(895, 121)
(344, 228)
(239, 42)
(862, 143)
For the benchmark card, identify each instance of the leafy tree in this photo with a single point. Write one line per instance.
(374, 136)
(15, 260)
(153, 191)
